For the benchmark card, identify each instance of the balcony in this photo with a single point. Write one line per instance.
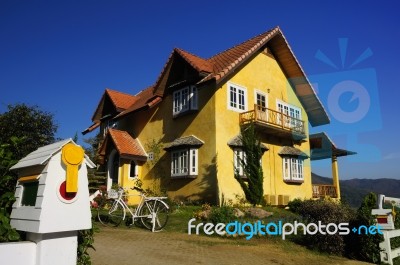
(274, 122)
(321, 191)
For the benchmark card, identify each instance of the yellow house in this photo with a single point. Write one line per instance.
(181, 135)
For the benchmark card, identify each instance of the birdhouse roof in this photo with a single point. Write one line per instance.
(43, 154)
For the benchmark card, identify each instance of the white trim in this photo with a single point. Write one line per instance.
(245, 99)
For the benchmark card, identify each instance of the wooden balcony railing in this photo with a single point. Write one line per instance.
(320, 191)
(272, 119)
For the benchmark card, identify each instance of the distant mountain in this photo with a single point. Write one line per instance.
(354, 190)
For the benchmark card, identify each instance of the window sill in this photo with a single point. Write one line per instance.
(184, 113)
(184, 177)
(244, 177)
(292, 181)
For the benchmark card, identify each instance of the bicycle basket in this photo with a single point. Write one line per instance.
(112, 194)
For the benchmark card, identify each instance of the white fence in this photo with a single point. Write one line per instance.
(18, 253)
(387, 254)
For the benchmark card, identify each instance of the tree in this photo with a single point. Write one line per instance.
(251, 163)
(23, 129)
(32, 125)
(7, 187)
(93, 146)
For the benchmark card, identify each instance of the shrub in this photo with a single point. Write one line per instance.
(326, 212)
(223, 214)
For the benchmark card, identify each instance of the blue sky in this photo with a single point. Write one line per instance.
(61, 55)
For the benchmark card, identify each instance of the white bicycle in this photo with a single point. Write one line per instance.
(112, 209)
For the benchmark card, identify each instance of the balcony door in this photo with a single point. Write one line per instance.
(262, 104)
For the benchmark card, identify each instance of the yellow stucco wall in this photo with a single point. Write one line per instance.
(261, 73)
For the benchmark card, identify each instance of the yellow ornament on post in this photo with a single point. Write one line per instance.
(72, 157)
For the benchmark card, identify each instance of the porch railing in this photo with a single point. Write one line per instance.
(320, 191)
(272, 118)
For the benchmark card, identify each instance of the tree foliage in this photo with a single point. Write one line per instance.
(251, 162)
(23, 129)
(7, 187)
(32, 125)
(92, 147)
(365, 247)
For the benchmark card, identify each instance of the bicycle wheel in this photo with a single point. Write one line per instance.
(111, 213)
(103, 207)
(154, 212)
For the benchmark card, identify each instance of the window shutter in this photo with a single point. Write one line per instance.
(194, 160)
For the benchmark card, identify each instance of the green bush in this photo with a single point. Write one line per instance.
(326, 212)
(223, 214)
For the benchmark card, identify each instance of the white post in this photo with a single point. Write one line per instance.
(55, 248)
(386, 251)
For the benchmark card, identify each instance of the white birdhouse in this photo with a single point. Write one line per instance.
(52, 192)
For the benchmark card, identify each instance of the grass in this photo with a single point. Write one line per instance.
(177, 228)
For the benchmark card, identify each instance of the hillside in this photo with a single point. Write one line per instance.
(354, 190)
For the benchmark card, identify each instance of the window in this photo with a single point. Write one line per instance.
(291, 117)
(133, 171)
(185, 99)
(29, 193)
(239, 157)
(293, 169)
(184, 162)
(237, 98)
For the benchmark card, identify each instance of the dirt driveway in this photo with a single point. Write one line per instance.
(121, 246)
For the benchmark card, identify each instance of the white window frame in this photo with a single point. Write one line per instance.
(184, 99)
(292, 169)
(238, 154)
(259, 92)
(290, 110)
(184, 162)
(234, 104)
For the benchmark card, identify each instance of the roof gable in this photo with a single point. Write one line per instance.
(119, 100)
(174, 71)
(43, 154)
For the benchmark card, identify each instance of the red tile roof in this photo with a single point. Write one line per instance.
(224, 62)
(146, 98)
(121, 100)
(125, 144)
(200, 64)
